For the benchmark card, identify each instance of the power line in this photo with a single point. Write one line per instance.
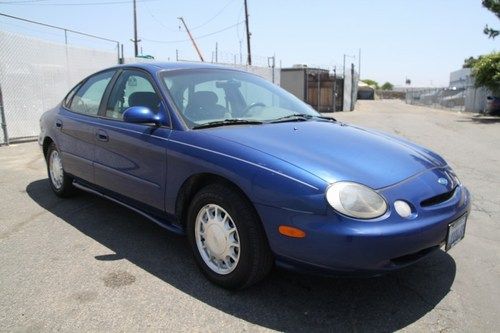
(196, 27)
(59, 28)
(239, 17)
(34, 2)
(157, 20)
(212, 18)
(197, 37)
(20, 2)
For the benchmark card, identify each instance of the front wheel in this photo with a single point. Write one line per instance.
(60, 182)
(227, 239)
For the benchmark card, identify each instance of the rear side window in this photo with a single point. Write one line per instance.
(88, 98)
(69, 96)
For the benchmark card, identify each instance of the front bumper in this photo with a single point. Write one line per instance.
(339, 244)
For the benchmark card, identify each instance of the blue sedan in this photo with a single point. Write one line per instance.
(252, 175)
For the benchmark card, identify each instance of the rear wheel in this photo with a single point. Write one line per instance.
(227, 239)
(60, 182)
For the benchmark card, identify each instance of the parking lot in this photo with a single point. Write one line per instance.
(88, 264)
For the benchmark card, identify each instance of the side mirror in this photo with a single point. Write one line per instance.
(141, 115)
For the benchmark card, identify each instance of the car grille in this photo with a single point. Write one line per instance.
(437, 199)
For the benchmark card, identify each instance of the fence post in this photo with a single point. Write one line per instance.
(122, 58)
(273, 65)
(352, 88)
(318, 76)
(118, 51)
(3, 120)
(334, 87)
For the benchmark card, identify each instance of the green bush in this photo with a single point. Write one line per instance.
(387, 86)
(486, 71)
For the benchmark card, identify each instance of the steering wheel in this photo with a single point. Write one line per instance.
(248, 108)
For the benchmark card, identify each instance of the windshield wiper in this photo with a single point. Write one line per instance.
(228, 122)
(299, 117)
(292, 117)
(325, 118)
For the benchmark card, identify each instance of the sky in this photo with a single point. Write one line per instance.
(423, 40)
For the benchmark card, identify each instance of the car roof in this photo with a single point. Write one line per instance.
(155, 66)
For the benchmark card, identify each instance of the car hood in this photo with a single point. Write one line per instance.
(334, 151)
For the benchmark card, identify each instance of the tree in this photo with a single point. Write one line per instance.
(470, 61)
(387, 86)
(486, 71)
(493, 6)
(372, 83)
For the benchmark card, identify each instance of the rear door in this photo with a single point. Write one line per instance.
(130, 159)
(76, 122)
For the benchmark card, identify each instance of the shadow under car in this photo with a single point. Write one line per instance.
(284, 301)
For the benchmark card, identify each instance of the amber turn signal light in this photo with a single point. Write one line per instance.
(291, 231)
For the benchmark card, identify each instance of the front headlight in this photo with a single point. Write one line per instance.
(355, 200)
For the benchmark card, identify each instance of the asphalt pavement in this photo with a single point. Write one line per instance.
(86, 264)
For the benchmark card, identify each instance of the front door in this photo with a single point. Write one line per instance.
(130, 159)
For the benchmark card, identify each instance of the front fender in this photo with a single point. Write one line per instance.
(263, 178)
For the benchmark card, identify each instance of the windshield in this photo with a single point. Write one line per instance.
(219, 96)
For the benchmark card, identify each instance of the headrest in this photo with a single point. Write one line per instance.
(204, 98)
(144, 98)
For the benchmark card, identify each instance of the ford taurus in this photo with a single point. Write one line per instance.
(252, 175)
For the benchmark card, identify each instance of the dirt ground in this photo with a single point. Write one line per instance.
(88, 264)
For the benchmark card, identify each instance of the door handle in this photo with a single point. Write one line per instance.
(102, 135)
(59, 123)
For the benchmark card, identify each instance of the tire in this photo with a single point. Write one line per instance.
(251, 257)
(60, 182)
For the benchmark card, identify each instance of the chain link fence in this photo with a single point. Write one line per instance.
(437, 98)
(35, 75)
(468, 98)
(261, 65)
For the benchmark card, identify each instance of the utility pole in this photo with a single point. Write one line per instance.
(136, 41)
(192, 39)
(249, 59)
(272, 64)
(343, 68)
(216, 52)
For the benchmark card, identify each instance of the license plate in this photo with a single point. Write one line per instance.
(456, 231)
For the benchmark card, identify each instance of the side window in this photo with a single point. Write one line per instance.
(88, 98)
(69, 96)
(133, 88)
